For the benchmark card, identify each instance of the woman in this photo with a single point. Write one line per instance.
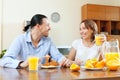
(34, 41)
(85, 47)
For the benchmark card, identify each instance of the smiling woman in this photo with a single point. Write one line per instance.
(85, 47)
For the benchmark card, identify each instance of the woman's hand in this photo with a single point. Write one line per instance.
(65, 63)
(78, 61)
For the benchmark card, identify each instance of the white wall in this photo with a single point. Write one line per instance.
(0, 23)
(15, 12)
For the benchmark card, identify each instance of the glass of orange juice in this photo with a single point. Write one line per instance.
(33, 63)
(99, 39)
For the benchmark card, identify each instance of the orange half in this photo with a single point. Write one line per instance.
(74, 67)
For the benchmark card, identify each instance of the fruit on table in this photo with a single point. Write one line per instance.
(94, 63)
(74, 67)
(100, 64)
(113, 64)
(90, 63)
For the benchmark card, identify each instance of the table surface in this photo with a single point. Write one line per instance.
(57, 74)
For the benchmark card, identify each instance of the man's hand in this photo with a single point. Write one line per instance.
(24, 64)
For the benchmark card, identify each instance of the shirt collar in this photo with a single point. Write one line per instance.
(28, 39)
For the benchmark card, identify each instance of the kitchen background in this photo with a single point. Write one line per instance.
(14, 14)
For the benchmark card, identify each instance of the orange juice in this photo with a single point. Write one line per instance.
(98, 40)
(111, 55)
(33, 63)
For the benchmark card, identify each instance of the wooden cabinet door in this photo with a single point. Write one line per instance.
(112, 13)
(95, 12)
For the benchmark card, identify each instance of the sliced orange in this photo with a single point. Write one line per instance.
(100, 64)
(113, 64)
(93, 61)
(90, 63)
(74, 67)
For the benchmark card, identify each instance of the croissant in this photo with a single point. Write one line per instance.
(49, 62)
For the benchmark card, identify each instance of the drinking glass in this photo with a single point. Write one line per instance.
(99, 39)
(33, 63)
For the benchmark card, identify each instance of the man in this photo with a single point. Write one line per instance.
(34, 41)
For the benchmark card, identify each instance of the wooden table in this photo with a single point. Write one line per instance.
(57, 74)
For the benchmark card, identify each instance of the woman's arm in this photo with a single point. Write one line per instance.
(72, 54)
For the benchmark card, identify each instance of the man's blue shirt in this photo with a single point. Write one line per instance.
(22, 47)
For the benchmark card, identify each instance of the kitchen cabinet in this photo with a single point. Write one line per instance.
(106, 17)
(112, 13)
(93, 12)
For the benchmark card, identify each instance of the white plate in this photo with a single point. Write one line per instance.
(83, 67)
(49, 67)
